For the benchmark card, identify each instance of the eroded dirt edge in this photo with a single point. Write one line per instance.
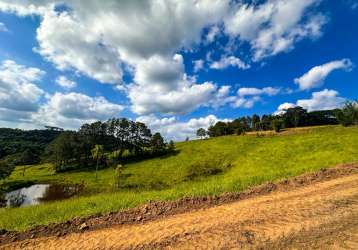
(160, 209)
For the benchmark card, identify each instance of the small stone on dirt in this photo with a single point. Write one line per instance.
(83, 226)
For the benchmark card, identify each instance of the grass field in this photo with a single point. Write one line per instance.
(213, 166)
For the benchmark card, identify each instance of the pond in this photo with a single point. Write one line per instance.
(40, 193)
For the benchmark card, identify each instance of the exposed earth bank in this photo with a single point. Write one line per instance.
(317, 210)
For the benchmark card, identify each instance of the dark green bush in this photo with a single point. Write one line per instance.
(206, 168)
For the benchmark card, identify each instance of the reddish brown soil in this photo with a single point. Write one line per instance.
(159, 212)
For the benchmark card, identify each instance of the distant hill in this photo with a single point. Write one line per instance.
(14, 142)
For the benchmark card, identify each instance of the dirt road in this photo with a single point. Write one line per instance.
(322, 215)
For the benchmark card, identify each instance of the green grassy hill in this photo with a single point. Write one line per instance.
(205, 167)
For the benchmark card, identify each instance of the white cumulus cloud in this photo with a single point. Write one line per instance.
(198, 65)
(174, 129)
(71, 110)
(105, 40)
(316, 76)
(230, 61)
(19, 93)
(270, 91)
(274, 26)
(284, 107)
(65, 83)
(95, 38)
(321, 100)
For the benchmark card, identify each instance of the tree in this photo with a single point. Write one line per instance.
(157, 144)
(277, 125)
(97, 155)
(171, 146)
(295, 117)
(26, 158)
(322, 117)
(140, 137)
(62, 150)
(348, 115)
(13, 142)
(201, 133)
(219, 129)
(256, 122)
(117, 175)
(6, 168)
(266, 122)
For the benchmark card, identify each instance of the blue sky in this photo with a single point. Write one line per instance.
(176, 65)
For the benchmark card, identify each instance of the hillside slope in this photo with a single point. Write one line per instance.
(199, 168)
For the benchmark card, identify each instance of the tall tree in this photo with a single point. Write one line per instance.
(295, 117)
(97, 155)
(26, 158)
(256, 122)
(348, 115)
(157, 143)
(201, 133)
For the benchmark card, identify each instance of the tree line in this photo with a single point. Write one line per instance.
(102, 144)
(24, 147)
(20, 147)
(290, 118)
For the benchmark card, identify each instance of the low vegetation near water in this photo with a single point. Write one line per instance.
(196, 168)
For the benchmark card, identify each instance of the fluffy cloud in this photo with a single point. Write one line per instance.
(283, 108)
(19, 94)
(3, 27)
(104, 40)
(270, 91)
(274, 26)
(212, 34)
(230, 61)
(21, 105)
(73, 109)
(198, 65)
(246, 102)
(161, 28)
(99, 40)
(64, 82)
(182, 100)
(322, 100)
(162, 74)
(70, 45)
(25, 7)
(161, 86)
(248, 97)
(316, 76)
(245, 98)
(94, 38)
(176, 130)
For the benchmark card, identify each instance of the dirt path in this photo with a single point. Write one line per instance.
(323, 215)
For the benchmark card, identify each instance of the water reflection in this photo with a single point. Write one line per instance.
(40, 193)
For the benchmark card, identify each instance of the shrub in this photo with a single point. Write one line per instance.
(206, 168)
(348, 115)
(277, 125)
